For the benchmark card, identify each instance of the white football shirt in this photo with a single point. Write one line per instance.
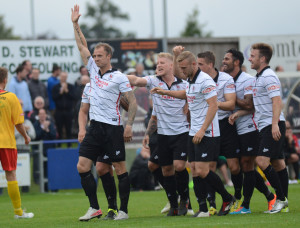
(200, 89)
(105, 94)
(171, 119)
(243, 86)
(266, 86)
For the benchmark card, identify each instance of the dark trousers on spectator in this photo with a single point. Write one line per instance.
(63, 119)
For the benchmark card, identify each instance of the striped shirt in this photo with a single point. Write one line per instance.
(225, 85)
(200, 89)
(105, 93)
(171, 119)
(266, 86)
(243, 86)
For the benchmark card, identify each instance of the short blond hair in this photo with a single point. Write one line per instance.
(165, 55)
(186, 55)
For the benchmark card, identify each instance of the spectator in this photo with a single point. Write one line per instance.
(139, 69)
(83, 71)
(36, 87)
(21, 146)
(63, 95)
(38, 104)
(28, 66)
(19, 87)
(139, 175)
(52, 81)
(279, 68)
(45, 130)
(291, 151)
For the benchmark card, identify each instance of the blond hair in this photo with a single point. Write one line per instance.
(165, 55)
(186, 55)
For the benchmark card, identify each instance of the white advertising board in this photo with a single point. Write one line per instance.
(23, 171)
(42, 54)
(286, 50)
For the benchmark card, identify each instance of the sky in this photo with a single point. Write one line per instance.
(224, 18)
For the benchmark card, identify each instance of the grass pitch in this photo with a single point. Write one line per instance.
(63, 209)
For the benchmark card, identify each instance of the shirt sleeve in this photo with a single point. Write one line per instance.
(248, 86)
(16, 111)
(229, 86)
(209, 89)
(149, 81)
(272, 85)
(85, 94)
(124, 84)
(92, 67)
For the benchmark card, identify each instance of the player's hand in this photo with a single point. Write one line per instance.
(157, 90)
(27, 139)
(233, 117)
(177, 50)
(146, 141)
(128, 133)
(276, 132)
(81, 135)
(75, 14)
(198, 136)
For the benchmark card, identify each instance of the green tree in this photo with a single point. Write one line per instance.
(6, 33)
(193, 28)
(103, 14)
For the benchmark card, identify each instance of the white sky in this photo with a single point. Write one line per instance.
(223, 17)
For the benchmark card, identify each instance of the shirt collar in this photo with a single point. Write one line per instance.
(195, 77)
(217, 77)
(109, 71)
(237, 76)
(261, 72)
(177, 81)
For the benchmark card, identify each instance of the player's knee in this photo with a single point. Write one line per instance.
(180, 166)
(152, 166)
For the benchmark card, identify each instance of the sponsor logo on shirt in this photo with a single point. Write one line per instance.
(167, 97)
(209, 89)
(114, 119)
(248, 88)
(273, 87)
(231, 86)
(191, 99)
(250, 125)
(100, 83)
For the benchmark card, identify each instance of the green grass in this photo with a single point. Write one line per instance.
(62, 209)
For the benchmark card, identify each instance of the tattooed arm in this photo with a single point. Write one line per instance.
(82, 120)
(132, 108)
(152, 127)
(79, 37)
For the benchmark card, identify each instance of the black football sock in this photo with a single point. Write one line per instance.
(284, 180)
(273, 178)
(159, 176)
(211, 196)
(170, 188)
(237, 181)
(201, 193)
(262, 187)
(89, 186)
(124, 191)
(182, 182)
(215, 181)
(248, 187)
(109, 186)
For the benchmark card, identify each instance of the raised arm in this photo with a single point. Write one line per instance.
(180, 94)
(132, 108)
(79, 37)
(137, 81)
(176, 70)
